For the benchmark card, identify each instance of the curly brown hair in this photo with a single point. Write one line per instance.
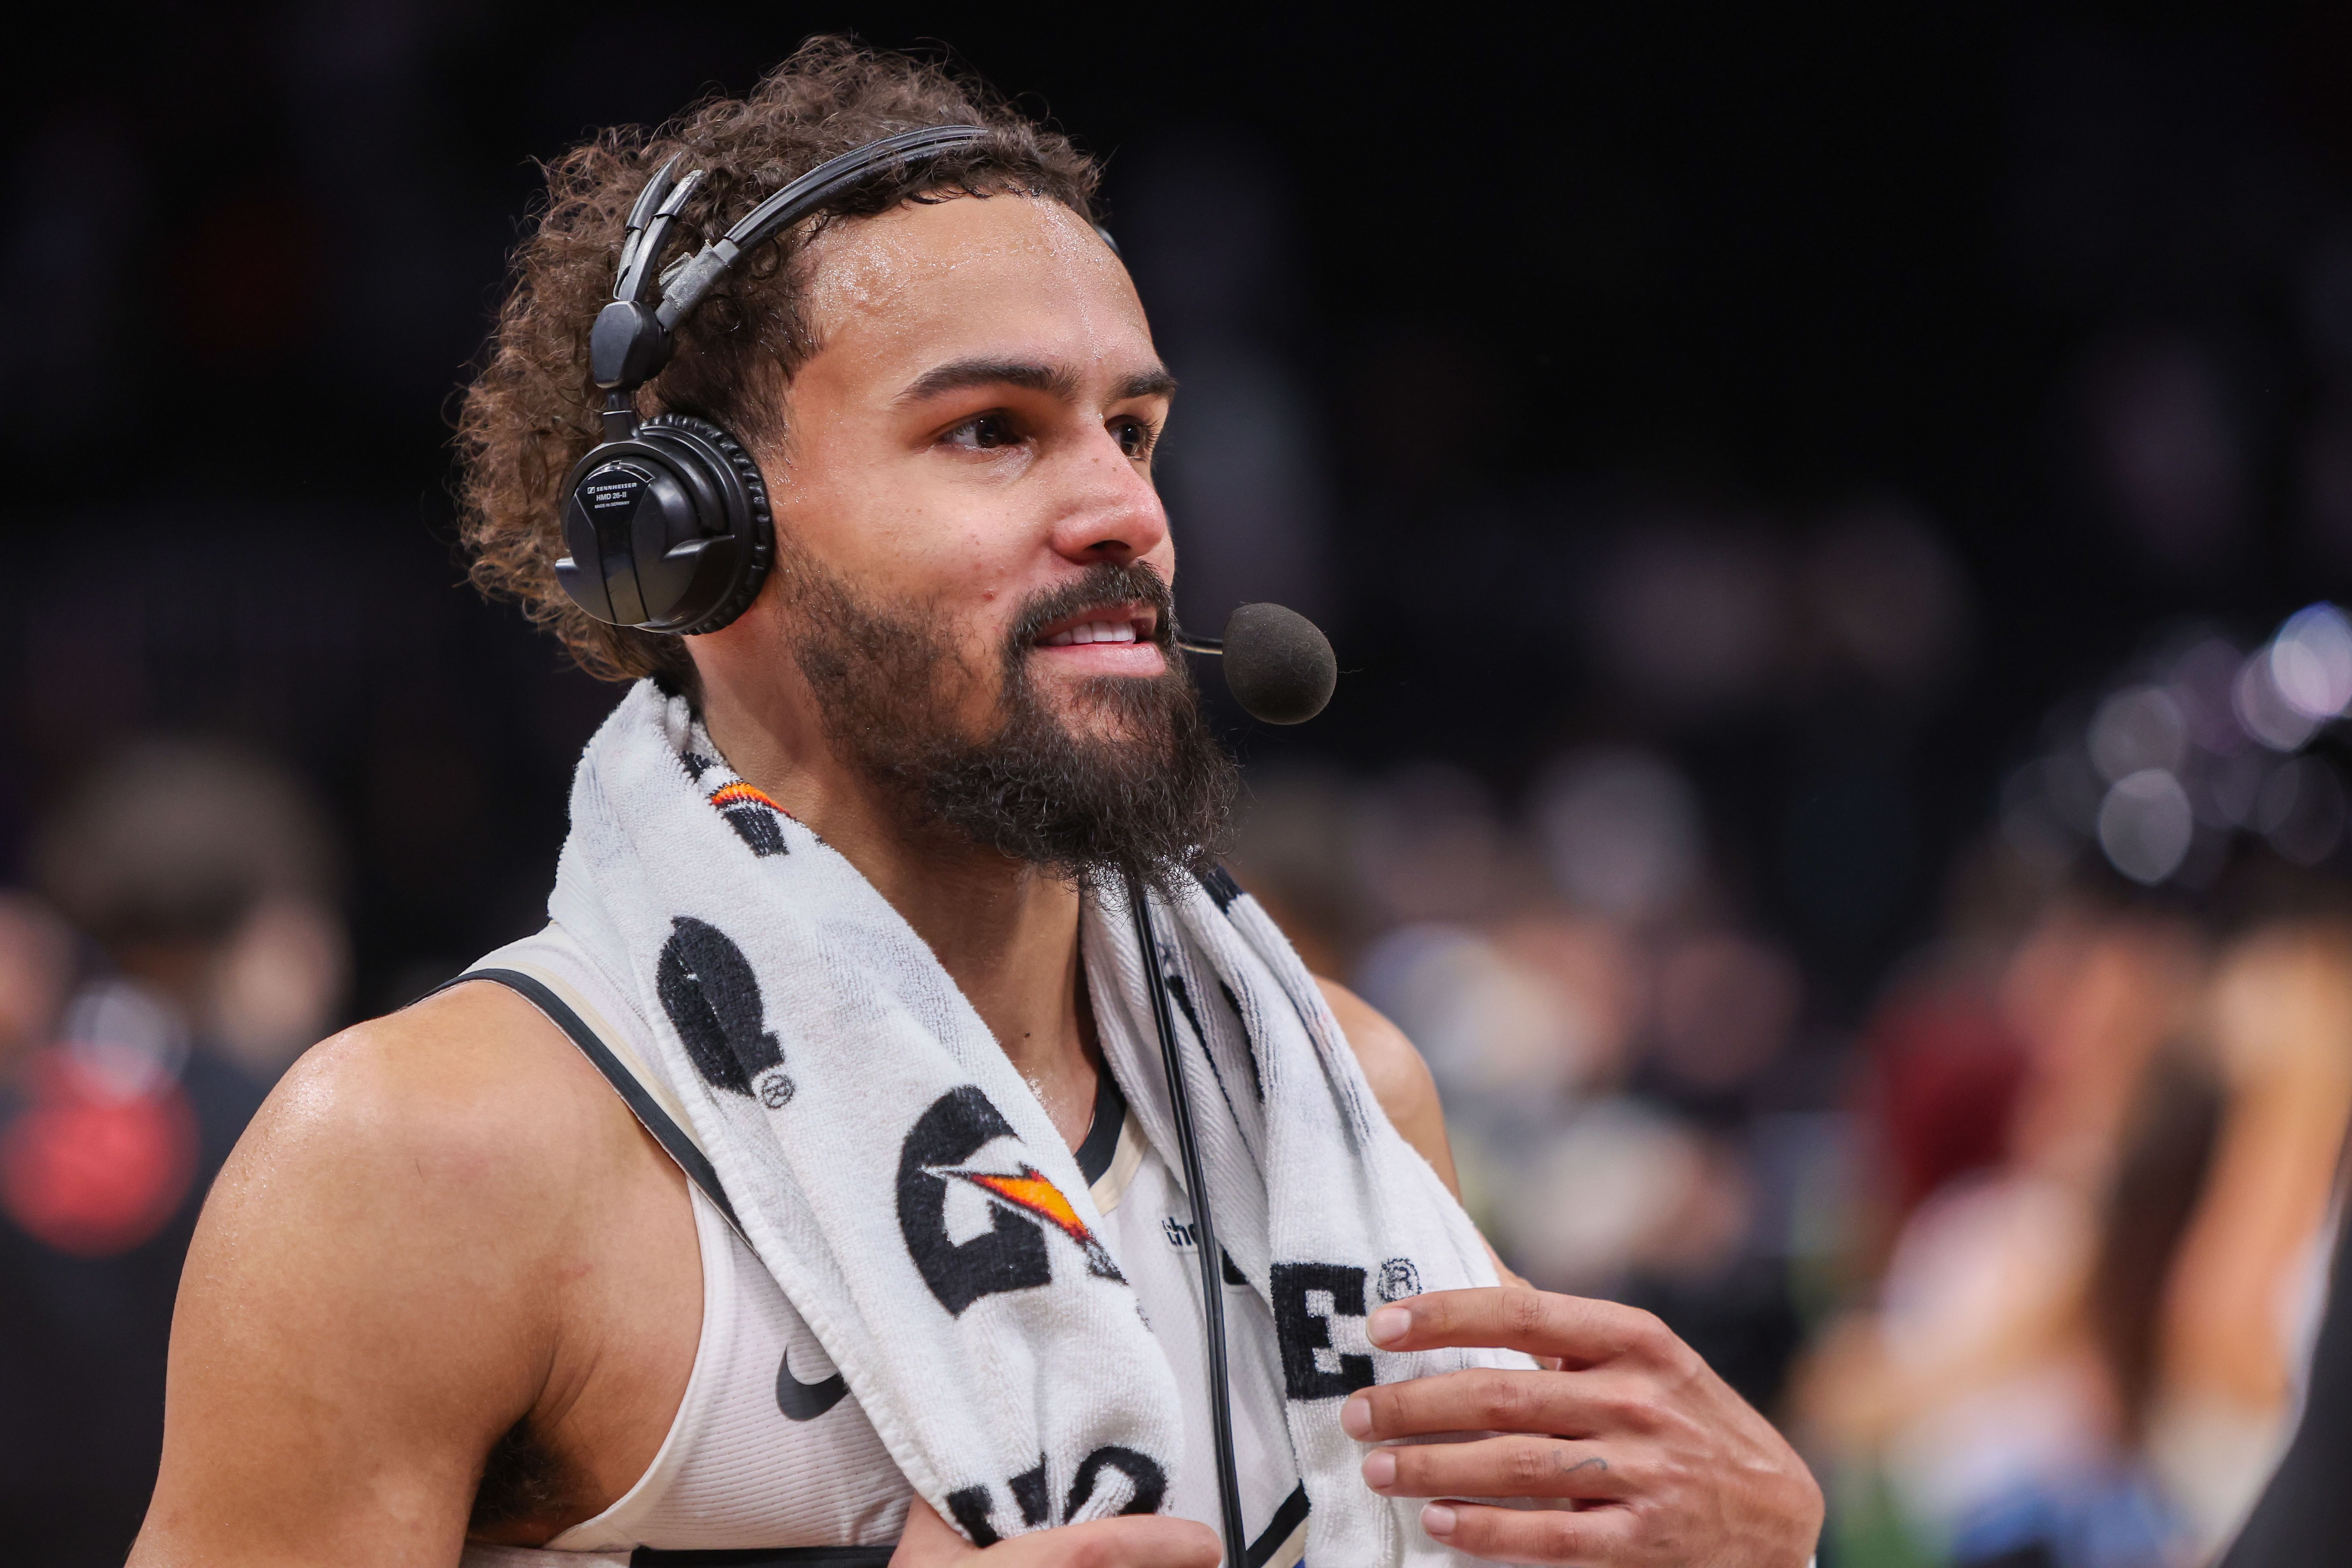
(532, 411)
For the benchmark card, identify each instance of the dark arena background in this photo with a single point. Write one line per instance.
(1829, 519)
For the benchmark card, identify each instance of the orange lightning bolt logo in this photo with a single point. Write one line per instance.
(1027, 1190)
(741, 793)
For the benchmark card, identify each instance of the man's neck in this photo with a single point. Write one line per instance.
(1005, 932)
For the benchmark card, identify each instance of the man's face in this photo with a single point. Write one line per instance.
(976, 431)
(972, 564)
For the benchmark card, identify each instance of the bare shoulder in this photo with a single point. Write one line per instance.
(376, 1285)
(469, 1110)
(1399, 1078)
(1392, 1065)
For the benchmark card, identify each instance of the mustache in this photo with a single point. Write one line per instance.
(1105, 583)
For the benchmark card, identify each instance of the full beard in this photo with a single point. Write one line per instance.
(1148, 792)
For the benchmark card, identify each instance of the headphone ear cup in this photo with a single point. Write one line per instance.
(716, 455)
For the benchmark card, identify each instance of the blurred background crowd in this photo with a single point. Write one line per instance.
(1832, 523)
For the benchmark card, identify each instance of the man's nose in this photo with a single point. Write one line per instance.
(1113, 513)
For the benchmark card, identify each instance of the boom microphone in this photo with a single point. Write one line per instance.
(1278, 666)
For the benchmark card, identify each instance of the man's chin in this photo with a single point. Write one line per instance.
(1107, 745)
(1107, 708)
(1133, 784)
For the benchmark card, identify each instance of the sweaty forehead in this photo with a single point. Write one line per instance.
(934, 280)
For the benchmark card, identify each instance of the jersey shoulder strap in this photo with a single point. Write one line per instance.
(649, 1110)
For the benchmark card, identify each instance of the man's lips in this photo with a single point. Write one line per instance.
(1105, 639)
(1103, 624)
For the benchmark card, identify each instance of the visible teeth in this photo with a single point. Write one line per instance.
(1093, 632)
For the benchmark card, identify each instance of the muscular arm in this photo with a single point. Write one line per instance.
(376, 1292)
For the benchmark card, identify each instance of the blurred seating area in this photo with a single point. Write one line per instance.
(181, 941)
(2032, 1256)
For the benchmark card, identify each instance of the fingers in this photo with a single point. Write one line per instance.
(1583, 1332)
(1515, 1466)
(1500, 1399)
(1586, 1538)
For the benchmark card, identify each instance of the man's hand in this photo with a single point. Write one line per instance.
(1656, 1460)
(1138, 1541)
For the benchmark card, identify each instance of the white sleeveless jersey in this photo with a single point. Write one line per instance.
(769, 1459)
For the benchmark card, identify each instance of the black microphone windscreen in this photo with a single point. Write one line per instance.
(1279, 668)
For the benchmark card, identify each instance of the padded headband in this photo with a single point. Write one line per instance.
(631, 341)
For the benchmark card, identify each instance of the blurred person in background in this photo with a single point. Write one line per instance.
(2109, 1124)
(199, 880)
(2304, 1515)
(1976, 1384)
(2239, 1306)
(2085, 1352)
(209, 878)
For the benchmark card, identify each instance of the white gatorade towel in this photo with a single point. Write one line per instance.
(912, 1199)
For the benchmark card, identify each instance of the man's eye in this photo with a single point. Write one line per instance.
(1134, 437)
(984, 431)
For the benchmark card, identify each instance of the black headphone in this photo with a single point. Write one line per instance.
(666, 522)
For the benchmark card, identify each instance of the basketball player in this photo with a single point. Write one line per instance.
(449, 1302)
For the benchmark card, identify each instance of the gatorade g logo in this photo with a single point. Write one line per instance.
(1013, 1253)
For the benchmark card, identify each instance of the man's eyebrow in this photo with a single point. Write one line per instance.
(1153, 382)
(1057, 381)
(957, 375)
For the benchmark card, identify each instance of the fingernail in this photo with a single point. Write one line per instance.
(1356, 1417)
(1387, 1325)
(1380, 1469)
(1437, 1518)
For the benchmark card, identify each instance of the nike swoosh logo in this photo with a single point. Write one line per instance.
(806, 1401)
